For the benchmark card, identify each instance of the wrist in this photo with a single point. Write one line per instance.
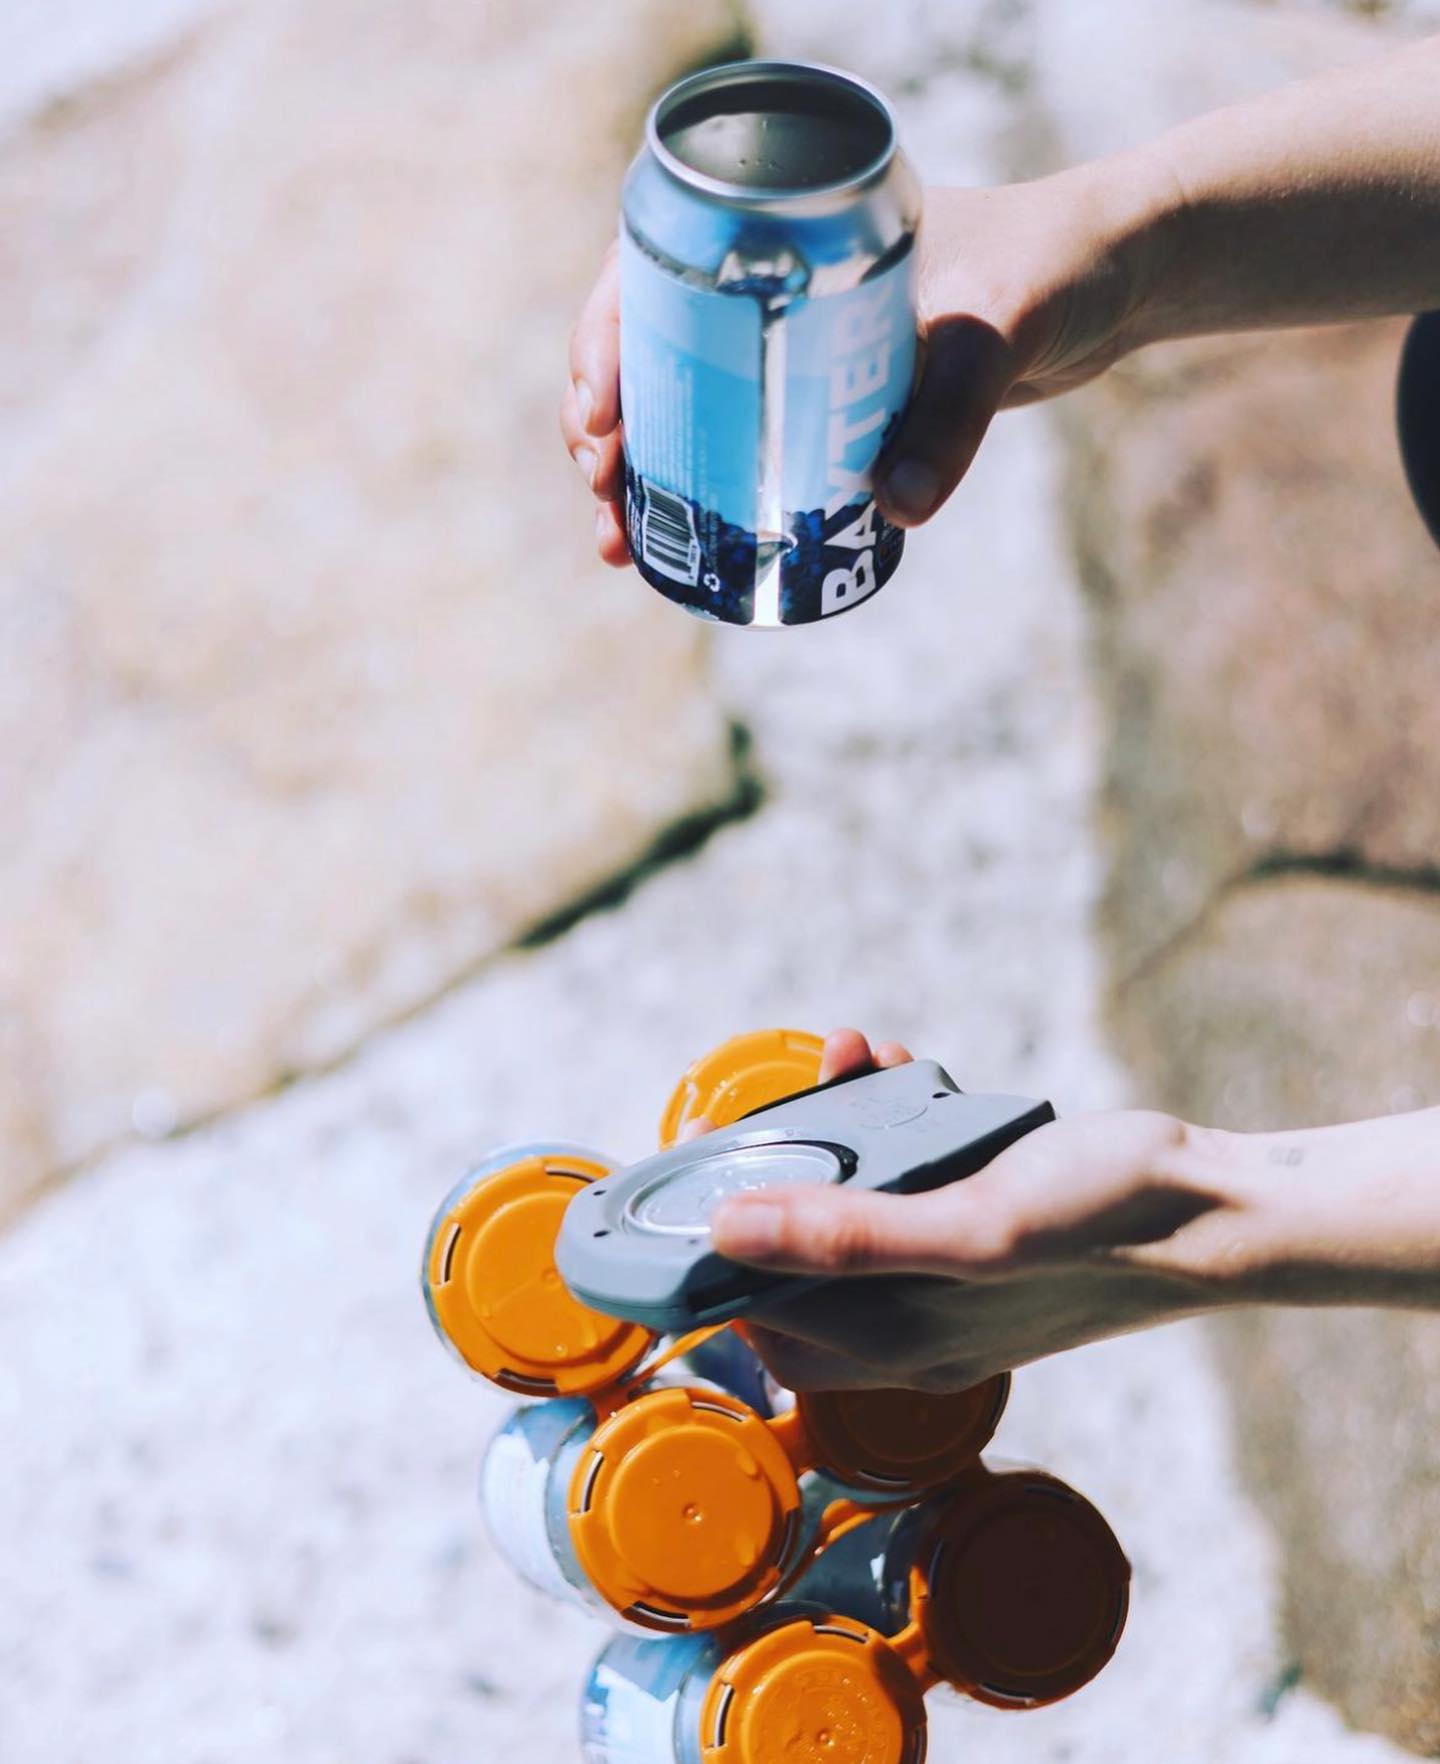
(1243, 1234)
(1348, 1214)
(1140, 214)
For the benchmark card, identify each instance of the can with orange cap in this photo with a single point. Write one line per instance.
(493, 1291)
(882, 1447)
(677, 1511)
(747, 1073)
(796, 1685)
(682, 1508)
(1012, 1588)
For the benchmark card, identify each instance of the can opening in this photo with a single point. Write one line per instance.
(774, 128)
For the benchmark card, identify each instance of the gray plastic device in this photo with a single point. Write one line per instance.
(637, 1244)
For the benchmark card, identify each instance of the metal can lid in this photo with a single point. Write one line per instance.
(822, 1690)
(902, 1442)
(771, 131)
(496, 1295)
(1021, 1590)
(746, 1073)
(684, 1509)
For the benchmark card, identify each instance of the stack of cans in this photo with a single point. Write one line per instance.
(787, 1575)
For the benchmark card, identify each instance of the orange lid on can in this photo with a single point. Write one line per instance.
(746, 1073)
(684, 1509)
(497, 1296)
(1021, 1590)
(823, 1690)
(902, 1442)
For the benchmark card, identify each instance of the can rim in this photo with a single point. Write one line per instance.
(749, 195)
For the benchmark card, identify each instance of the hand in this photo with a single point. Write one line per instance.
(1052, 1244)
(1226, 223)
(1086, 1228)
(590, 409)
(1024, 291)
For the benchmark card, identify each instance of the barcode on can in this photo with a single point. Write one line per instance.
(668, 541)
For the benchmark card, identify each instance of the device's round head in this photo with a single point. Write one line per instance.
(684, 1509)
(746, 1073)
(902, 1443)
(818, 1690)
(638, 1244)
(492, 1287)
(680, 1202)
(1021, 1590)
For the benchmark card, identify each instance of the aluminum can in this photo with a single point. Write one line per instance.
(679, 1512)
(642, 1700)
(1017, 1585)
(767, 340)
(524, 1479)
(708, 1523)
(795, 1682)
(491, 1287)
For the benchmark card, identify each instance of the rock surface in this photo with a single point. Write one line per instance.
(316, 698)
(1267, 593)
(1263, 597)
(1303, 1000)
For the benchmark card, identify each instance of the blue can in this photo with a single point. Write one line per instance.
(524, 1484)
(767, 341)
(795, 1682)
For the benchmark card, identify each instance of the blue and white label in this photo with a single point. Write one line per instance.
(630, 1709)
(750, 442)
(515, 1482)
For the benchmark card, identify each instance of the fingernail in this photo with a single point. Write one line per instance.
(584, 402)
(750, 1231)
(912, 488)
(587, 460)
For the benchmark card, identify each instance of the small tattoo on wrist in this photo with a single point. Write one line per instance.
(1289, 1155)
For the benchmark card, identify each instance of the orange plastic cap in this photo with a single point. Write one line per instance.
(746, 1073)
(683, 1509)
(902, 1443)
(815, 1691)
(498, 1297)
(1021, 1591)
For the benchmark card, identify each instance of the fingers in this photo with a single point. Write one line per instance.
(967, 373)
(847, 1054)
(835, 1231)
(846, 1051)
(595, 352)
(590, 409)
(610, 540)
(599, 457)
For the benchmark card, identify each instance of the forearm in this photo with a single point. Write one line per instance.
(1331, 1215)
(1319, 201)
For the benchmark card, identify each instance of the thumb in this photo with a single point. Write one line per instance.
(832, 1231)
(966, 373)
